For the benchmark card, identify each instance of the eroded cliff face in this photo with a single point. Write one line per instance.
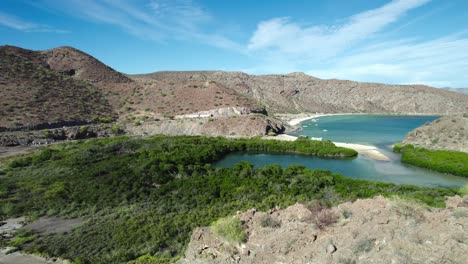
(447, 133)
(367, 231)
(230, 126)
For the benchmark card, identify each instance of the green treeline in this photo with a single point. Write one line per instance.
(452, 162)
(143, 197)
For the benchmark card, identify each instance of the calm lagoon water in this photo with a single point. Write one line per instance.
(380, 131)
(377, 130)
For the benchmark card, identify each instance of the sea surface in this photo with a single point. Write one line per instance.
(380, 131)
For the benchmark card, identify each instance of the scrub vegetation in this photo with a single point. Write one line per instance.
(140, 199)
(452, 162)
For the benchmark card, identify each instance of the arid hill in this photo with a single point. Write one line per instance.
(298, 92)
(33, 93)
(65, 86)
(447, 133)
(367, 231)
(458, 90)
(80, 65)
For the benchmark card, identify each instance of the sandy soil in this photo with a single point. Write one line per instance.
(295, 119)
(366, 150)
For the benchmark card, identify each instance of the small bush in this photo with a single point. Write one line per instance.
(464, 190)
(116, 129)
(47, 133)
(137, 123)
(397, 147)
(364, 245)
(409, 209)
(325, 218)
(104, 119)
(268, 221)
(230, 229)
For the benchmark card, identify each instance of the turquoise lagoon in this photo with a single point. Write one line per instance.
(377, 130)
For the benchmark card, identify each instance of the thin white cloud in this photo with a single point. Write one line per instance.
(354, 49)
(284, 36)
(17, 23)
(440, 62)
(158, 20)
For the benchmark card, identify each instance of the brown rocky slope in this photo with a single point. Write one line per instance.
(33, 93)
(298, 92)
(366, 231)
(446, 133)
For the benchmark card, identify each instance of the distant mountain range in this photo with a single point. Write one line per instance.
(457, 90)
(67, 85)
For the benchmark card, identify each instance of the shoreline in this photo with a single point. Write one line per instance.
(366, 150)
(295, 119)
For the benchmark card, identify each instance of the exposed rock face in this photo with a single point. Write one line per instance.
(47, 136)
(448, 132)
(234, 126)
(369, 231)
(298, 92)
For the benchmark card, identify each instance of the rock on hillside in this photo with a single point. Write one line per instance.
(367, 231)
(80, 65)
(298, 92)
(32, 93)
(448, 132)
(233, 126)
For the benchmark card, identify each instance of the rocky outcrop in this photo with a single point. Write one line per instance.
(446, 133)
(48, 136)
(367, 231)
(298, 92)
(233, 126)
(224, 112)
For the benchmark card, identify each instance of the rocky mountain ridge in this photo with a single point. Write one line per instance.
(298, 92)
(42, 89)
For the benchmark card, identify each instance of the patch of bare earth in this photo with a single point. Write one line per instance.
(374, 230)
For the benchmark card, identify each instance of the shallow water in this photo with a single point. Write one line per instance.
(380, 131)
(376, 130)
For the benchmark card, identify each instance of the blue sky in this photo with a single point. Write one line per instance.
(399, 41)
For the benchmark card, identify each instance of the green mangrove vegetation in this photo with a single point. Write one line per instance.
(451, 162)
(140, 199)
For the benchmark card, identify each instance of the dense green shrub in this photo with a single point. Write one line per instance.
(452, 162)
(229, 229)
(143, 197)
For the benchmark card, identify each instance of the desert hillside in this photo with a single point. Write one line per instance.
(366, 231)
(33, 93)
(446, 133)
(80, 65)
(65, 86)
(458, 90)
(298, 92)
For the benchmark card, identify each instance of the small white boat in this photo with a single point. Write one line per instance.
(325, 130)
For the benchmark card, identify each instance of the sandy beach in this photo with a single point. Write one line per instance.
(366, 150)
(295, 119)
